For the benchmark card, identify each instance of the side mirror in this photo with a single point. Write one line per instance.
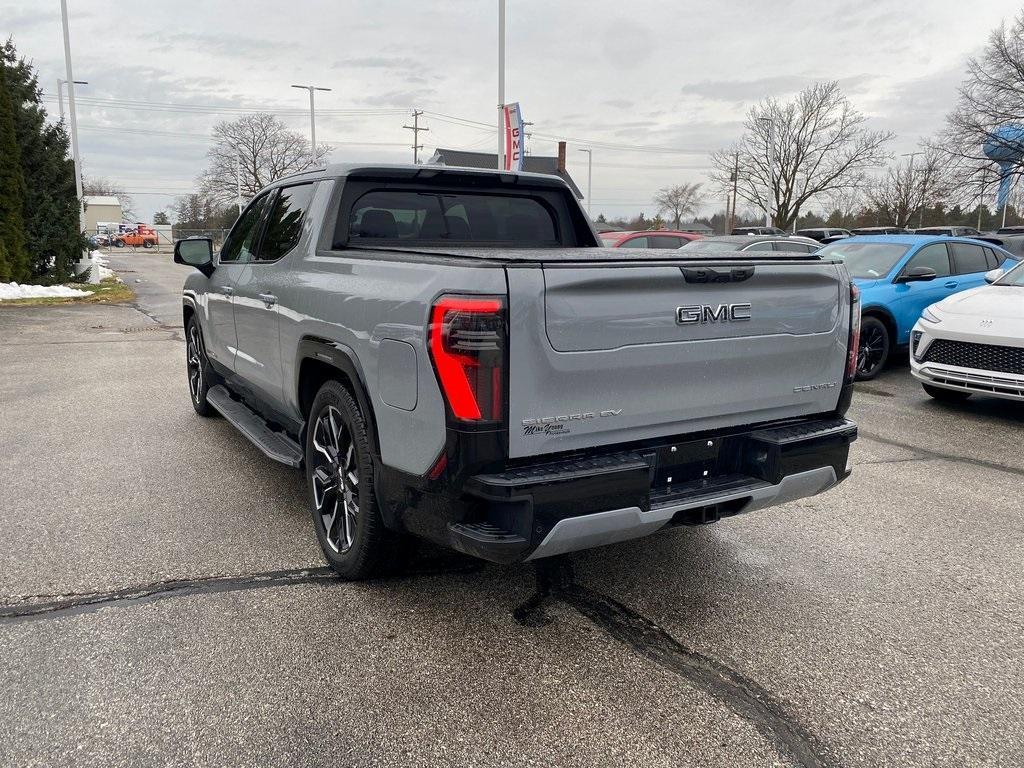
(994, 274)
(917, 274)
(197, 252)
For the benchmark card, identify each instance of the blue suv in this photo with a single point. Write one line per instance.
(900, 275)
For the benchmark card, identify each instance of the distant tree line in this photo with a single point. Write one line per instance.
(39, 226)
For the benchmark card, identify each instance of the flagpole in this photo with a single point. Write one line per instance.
(501, 84)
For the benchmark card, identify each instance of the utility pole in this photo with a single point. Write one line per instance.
(771, 171)
(415, 128)
(910, 187)
(501, 85)
(590, 168)
(60, 93)
(312, 116)
(85, 259)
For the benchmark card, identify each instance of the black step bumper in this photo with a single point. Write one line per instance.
(546, 508)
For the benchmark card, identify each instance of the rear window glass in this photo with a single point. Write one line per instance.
(866, 260)
(446, 217)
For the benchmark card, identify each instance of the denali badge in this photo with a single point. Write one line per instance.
(692, 314)
(812, 387)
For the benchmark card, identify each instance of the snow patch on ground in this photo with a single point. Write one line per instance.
(15, 291)
(100, 271)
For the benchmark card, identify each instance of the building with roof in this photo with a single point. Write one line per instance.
(552, 166)
(99, 209)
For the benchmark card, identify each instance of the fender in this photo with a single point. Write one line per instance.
(344, 359)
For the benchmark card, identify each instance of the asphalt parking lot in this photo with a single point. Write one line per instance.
(162, 599)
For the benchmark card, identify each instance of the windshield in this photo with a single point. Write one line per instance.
(710, 245)
(866, 260)
(1014, 277)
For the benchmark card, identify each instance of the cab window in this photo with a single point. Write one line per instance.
(242, 239)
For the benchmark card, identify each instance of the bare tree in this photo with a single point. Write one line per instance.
(101, 186)
(262, 148)
(907, 187)
(991, 98)
(678, 201)
(812, 146)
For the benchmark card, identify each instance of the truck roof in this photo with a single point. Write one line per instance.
(409, 171)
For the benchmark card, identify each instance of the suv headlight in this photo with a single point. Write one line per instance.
(930, 316)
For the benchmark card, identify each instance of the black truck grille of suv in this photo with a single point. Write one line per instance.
(985, 357)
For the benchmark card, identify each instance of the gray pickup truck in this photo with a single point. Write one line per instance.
(450, 354)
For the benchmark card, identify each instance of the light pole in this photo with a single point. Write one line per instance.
(60, 93)
(590, 165)
(770, 141)
(312, 115)
(501, 85)
(85, 260)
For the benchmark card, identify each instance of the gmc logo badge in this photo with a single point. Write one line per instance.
(692, 314)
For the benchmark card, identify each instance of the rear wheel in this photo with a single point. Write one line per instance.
(339, 477)
(874, 348)
(147, 244)
(946, 395)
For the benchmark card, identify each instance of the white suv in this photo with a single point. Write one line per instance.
(973, 342)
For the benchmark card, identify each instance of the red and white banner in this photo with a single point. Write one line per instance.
(514, 137)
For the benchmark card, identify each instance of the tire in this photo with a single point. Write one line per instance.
(119, 243)
(946, 395)
(875, 345)
(200, 373)
(146, 244)
(340, 487)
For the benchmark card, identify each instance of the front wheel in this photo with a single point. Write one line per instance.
(340, 482)
(200, 373)
(874, 348)
(946, 395)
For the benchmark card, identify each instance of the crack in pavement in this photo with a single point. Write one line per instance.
(927, 453)
(743, 696)
(88, 602)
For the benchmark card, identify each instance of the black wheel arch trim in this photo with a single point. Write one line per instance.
(886, 317)
(343, 358)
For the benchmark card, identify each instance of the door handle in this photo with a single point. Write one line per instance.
(227, 290)
(952, 284)
(269, 299)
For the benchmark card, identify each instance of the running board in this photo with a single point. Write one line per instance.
(276, 445)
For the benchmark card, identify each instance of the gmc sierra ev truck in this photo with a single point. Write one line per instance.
(449, 353)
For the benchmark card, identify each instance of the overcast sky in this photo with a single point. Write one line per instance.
(638, 74)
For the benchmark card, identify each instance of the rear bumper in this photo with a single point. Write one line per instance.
(543, 509)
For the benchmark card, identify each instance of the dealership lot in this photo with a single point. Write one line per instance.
(163, 600)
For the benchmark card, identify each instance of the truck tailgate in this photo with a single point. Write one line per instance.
(610, 353)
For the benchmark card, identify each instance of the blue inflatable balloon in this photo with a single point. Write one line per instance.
(1006, 147)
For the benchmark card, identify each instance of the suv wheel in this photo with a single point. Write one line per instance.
(874, 348)
(946, 395)
(200, 374)
(339, 476)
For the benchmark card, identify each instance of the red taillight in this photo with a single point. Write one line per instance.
(467, 344)
(853, 343)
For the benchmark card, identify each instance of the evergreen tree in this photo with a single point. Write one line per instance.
(50, 209)
(15, 264)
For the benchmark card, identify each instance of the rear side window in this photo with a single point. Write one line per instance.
(764, 246)
(284, 223)
(665, 241)
(464, 217)
(636, 242)
(990, 257)
(968, 258)
(789, 246)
